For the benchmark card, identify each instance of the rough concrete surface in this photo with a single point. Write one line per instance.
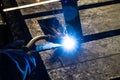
(96, 60)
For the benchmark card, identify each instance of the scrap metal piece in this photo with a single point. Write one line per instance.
(29, 5)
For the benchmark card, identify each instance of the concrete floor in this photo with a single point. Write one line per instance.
(98, 59)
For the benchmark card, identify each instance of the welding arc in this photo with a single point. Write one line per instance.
(29, 5)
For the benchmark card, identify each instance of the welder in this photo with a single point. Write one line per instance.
(19, 62)
(15, 64)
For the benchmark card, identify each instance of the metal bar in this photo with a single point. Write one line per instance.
(29, 5)
(72, 18)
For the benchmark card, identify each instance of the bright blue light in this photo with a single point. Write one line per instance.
(68, 43)
(46, 46)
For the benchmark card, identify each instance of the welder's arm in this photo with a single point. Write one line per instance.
(16, 65)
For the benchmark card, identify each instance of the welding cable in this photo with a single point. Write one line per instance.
(41, 37)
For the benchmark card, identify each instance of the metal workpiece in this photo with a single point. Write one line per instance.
(72, 17)
(66, 1)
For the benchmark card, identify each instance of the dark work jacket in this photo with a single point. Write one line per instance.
(15, 65)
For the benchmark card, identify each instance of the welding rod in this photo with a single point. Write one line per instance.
(29, 5)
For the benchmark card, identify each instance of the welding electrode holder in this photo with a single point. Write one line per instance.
(49, 38)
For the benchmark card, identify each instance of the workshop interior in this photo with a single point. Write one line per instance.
(76, 39)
